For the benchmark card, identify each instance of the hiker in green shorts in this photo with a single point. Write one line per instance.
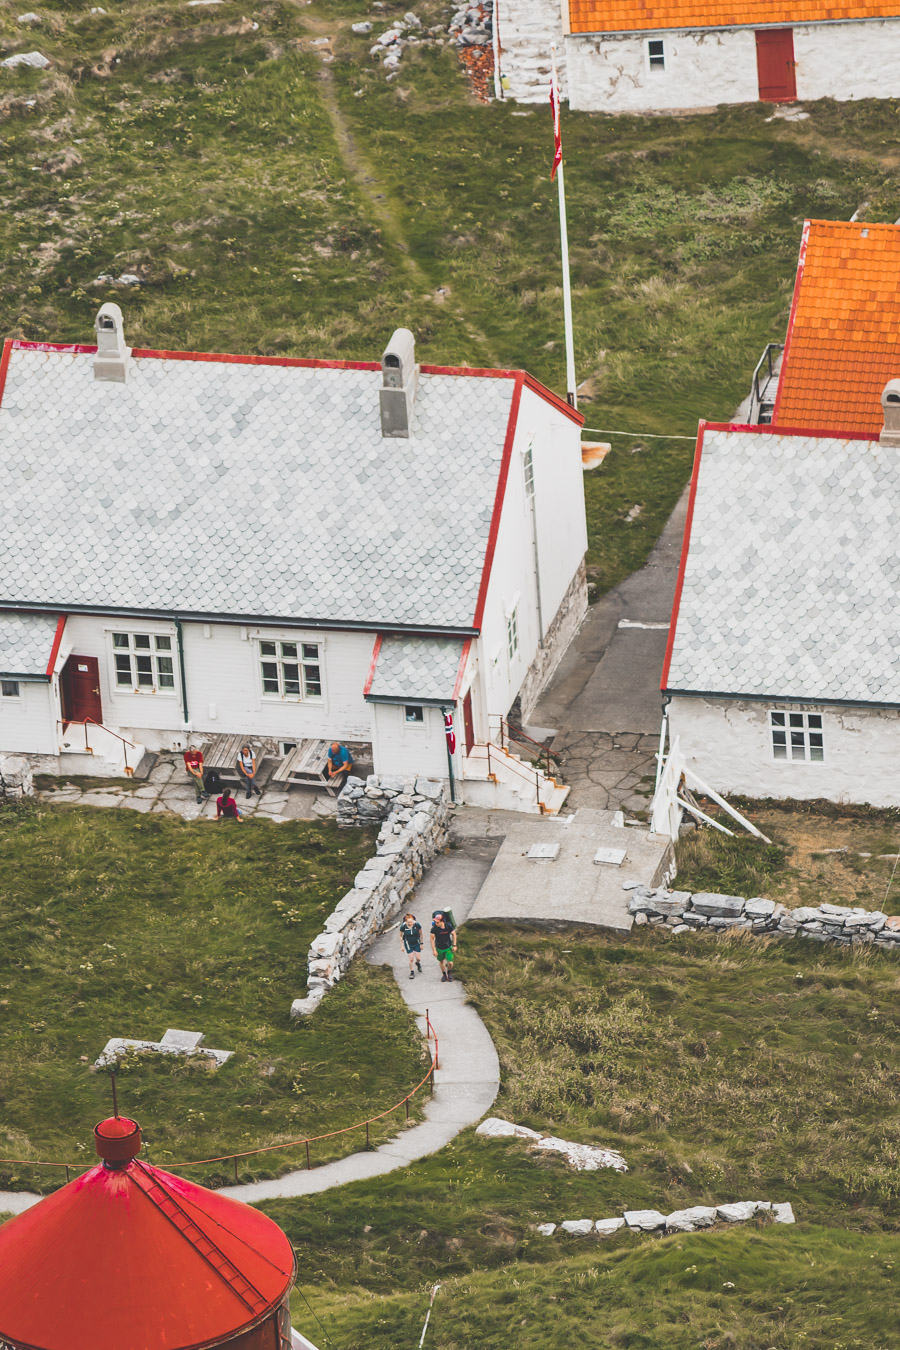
(443, 942)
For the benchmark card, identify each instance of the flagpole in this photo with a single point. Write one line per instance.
(571, 395)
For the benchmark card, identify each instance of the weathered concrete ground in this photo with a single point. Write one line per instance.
(604, 700)
(167, 788)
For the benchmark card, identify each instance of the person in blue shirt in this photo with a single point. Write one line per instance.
(339, 764)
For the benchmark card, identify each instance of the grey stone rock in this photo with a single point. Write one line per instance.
(606, 1227)
(783, 1213)
(718, 906)
(759, 908)
(579, 1227)
(739, 1212)
(805, 914)
(647, 1220)
(681, 928)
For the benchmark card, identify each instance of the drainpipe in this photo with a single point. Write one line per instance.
(179, 638)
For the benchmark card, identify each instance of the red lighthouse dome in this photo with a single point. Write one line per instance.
(128, 1257)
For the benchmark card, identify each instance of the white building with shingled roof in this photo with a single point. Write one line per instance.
(289, 549)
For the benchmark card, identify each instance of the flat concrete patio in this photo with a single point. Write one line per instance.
(572, 888)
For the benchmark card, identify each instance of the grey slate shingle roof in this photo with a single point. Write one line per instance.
(416, 668)
(247, 490)
(792, 584)
(26, 641)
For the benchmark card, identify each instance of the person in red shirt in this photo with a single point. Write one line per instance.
(227, 807)
(193, 762)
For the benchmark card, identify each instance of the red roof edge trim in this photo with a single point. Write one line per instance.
(310, 363)
(498, 500)
(801, 263)
(682, 566)
(554, 400)
(54, 650)
(4, 364)
(463, 658)
(372, 664)
(73, 348)
(772, 430)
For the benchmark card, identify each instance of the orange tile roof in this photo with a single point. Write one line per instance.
(638, 16)
(843, 341)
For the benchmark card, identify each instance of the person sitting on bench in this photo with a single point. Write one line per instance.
(339, 765)
(246, 767)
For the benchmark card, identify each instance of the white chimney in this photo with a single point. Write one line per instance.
(400, 376)
(890, 402)
(113, 357)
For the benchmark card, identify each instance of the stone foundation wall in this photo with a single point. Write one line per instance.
(415, 815)
(565, 625)
(16, 777)
(682, 912)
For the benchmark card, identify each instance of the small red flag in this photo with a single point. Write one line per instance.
(451, 734)
(557, 138)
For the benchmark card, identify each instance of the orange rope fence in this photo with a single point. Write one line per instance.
(431, 1034)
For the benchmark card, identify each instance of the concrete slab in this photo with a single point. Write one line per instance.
(572, 889)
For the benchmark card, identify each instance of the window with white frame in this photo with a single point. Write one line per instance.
(291, 670)
(414, 715)
(797, 735)
(512, 632)
(528, 466)
(9, 689)
(144, 662)
(656, 54)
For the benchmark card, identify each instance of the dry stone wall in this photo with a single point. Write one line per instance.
(703, 911)
(415, 816)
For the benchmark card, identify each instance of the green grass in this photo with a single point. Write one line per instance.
(277, 204)
(803, 865)
(727, 1070)
(116, 925)
(737, 1290)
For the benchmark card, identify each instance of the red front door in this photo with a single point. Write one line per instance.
(80, 687)
(468, 722)
(775, 65)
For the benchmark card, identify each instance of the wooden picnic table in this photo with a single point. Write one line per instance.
(306, 764)
(220, 752)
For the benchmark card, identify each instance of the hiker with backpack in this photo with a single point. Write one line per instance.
(443, 942)
(411, 936)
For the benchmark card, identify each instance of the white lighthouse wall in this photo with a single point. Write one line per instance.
(28, 723)
(729, 744)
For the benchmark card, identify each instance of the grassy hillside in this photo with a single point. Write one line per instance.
(276, 194)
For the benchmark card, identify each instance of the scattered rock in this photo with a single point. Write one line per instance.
(364, 27)
(30, 17)
(606, 1227)
(546, 1229)
(34, 59)
(580, 1227)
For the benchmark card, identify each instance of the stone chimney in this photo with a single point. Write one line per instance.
(399, 378)
(113, 357)
(890, 402)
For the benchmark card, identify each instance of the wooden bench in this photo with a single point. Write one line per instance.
(306, 764)
(221, 752)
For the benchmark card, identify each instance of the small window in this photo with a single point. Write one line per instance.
(529, 473)
(9, 688)
(290, 669)
(797, 736)
(512, 633)
(288, 746)
(414, 716)
(141, 662)
(656, 54)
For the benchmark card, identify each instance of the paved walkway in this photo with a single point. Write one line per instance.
(604, 698)
(468, 1079)
(167, 789)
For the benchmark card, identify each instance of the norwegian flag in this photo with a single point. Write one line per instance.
(451, 734)
(554, 107)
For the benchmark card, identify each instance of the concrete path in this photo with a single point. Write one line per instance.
(468, 1079)
(604, 699)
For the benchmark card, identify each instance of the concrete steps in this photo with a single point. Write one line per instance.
(495, 777)
(97, 750)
